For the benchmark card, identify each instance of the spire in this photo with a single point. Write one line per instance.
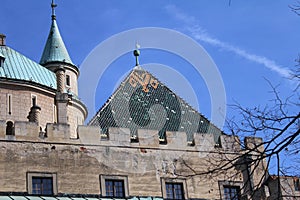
(55, 49)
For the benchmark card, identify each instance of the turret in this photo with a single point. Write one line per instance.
(55, 55)
(70, 110)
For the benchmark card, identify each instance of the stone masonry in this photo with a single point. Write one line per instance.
(79, 164)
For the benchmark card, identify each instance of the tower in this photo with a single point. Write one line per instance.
(55, 57)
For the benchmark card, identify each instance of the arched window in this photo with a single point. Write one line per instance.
(9, 128)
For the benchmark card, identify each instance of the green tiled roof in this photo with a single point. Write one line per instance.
(55, 49)
(143, 102)
(18, 67)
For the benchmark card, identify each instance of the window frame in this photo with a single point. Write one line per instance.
(165, 181)
(231, 184)
(31, 175)
(68, 80)
(296, 183)
(104, 178)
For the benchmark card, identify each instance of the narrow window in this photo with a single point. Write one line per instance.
(174, 191)
(231, 192)
(42, 185)
(9, 104)
(67, 80)
(33, 100)
(114, 188)
(297, 184)
(9, 128)
(54, 114)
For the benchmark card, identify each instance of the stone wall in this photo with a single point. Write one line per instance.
(287, 189)
(21, 102)
(75, 118)
(145, 162)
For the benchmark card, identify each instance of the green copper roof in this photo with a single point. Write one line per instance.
(143, 102)
(18, 67)
(55, 49)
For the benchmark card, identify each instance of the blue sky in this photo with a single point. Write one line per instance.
(249, 41)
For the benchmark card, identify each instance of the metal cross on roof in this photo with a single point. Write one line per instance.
(53, 5)
(136, 53)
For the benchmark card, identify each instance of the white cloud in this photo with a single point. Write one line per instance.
(192, 26)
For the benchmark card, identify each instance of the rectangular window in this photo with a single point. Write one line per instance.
(114, 188)
(68, 80)
(231, 192)
(42, 185)
(174, 188)
(297, 184)
(9, 103)
(174, 191)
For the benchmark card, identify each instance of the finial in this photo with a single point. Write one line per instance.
(53, 5)
(136, 53)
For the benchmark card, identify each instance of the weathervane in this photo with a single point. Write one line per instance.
(136, 53)
(53, 5)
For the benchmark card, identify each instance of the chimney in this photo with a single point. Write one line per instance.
(34, 114)
(2, 39)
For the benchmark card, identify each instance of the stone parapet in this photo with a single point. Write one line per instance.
(92, 135)
(57, 132)
(230, 142)
(254, 143)
(148, 138)
(26, 130)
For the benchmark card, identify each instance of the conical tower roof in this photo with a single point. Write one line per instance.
(55, 49)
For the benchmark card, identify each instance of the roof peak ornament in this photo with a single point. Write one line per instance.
(53, 6)
(137, 53)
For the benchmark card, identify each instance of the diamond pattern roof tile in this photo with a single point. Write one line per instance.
(143, 102)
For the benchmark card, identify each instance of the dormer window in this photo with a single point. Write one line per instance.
(2, 58)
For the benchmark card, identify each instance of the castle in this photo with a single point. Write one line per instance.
(48, 153)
